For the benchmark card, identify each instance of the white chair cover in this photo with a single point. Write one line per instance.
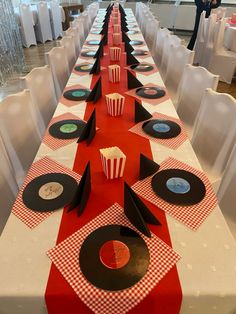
(8, 186)
(214, 133)
(180, 56)
(69, 43)
(57, 60)
(40, 83)
(78, 24)
(27, 26)
(208, 47)
(55, 18)
(226, 193)
(19, 132)
(159, 45)
(168, 41)
(43, 27)
(73, 32)
(222, 61)
(194, 82)
(200, 40)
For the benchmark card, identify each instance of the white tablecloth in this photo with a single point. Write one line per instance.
(207, 269)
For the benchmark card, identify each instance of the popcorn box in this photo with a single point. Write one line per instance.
(116, 38)
(115, 53)
(113, 162)
(115, 20)
(117, 28)
(114, 73)
(115, 104)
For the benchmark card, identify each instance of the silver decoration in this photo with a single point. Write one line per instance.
(11, 51)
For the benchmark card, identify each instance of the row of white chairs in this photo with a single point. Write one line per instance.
(209, 117)
(210, 50)
(24, 116)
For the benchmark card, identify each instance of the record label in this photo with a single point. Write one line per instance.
(67, 129)
(150, 92)
(179, 187)
(114, 257)
(139, 52)
(83, 67)
(89, 53)
(142, 67)
(50, 190)
(77, 94)
(114, 254)
(136, 42)
(162, 129)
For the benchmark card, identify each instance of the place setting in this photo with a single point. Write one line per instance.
(144, 68)
(74, 94)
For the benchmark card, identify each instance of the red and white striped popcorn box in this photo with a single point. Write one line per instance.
(113, 162)
(115, 20)
(115, 53)
(115, 14)
(116, 38)
(117, 28)
(114, 73)
(115, 104)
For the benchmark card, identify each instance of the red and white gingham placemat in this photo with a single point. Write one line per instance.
(56, 143)
(43, 166)
(173, 143)
(157, 101)
(65, 256)
(71, 103)
(192, 216)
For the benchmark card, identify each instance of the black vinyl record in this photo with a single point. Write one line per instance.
(88, 53)
(49, 192)
(142, 67)
(114, 257)
(140, 52)
(132, 32)
(77, 94)
(179, 187)
(84, 67)
(150, 92)
(67, 129)
(136, 42)
(99, 25)
(96, 32)
(93, 42)
(162, 129)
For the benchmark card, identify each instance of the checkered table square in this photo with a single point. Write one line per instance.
(155, 70)
(192, 216)
(56, 143)
(65, 256)
(71, 103)
(43, 166)
(173, 143)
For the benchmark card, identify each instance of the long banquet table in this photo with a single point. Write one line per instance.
(203, 280)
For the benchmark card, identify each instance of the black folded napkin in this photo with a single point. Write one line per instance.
(133, 82)
(96, 67)
(137, 212)
(140, 114)
(147, 167)
(125, 38)
(89, 130)
(99, 53)
(130, 59)
(82, 193)
(128, 48)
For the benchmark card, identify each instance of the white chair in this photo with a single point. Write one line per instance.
(19, 132)
(226, 193)
(40, 83)
(43, 26)
(180, 56)
(222, 61)
(201, 38)
(168, 41)
(159, 45)
(57, 60)
(78, 24)
(214, 133)
(69, 43)
(152, 27)
(55, 18)
(73, 32)
(208, 47)
(220, 12)
(193, 84)
(27, 26)
(8, 186)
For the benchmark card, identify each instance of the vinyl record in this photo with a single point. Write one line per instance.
(179, 187)
(114, 257)
(96, 32)
(132, 32)
(83, 67)
(142, 67)
(136, 42)
(150, 92)
(99, 25)
(77, 94)
(93, 42)
(49, 192)
(67, 129)
(88, 53)
(140, 52)
(162, 129)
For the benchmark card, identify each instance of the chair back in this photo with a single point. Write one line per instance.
(69, 43)
(199, 43)
(162, 33)
(73, 32)
(43, 29)
(55, 14)
(27, 25)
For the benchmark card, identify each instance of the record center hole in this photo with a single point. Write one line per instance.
(114, 254)
(50, 190)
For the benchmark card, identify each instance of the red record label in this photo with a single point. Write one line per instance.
(114, 254)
